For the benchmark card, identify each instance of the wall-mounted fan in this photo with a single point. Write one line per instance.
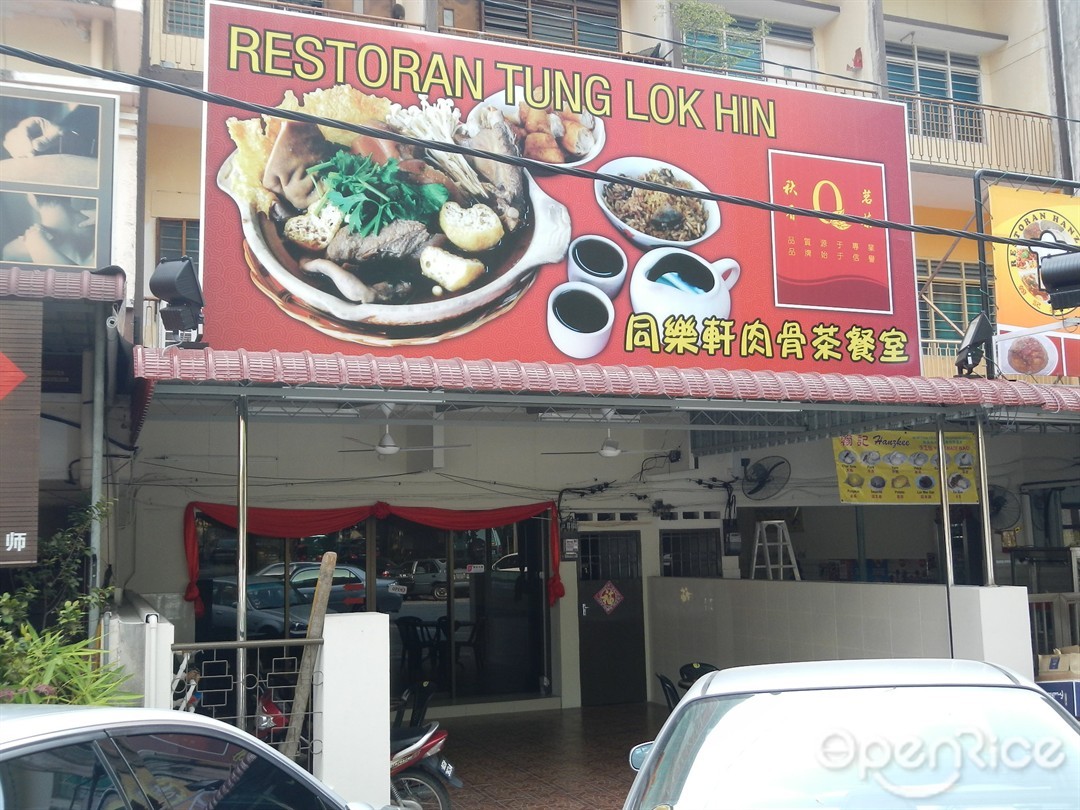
(766, 477)
(1004, 508)
(388, 446)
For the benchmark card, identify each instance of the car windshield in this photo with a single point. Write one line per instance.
(904, 747)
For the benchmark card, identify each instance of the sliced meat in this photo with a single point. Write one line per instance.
(506, 183)
(401, 238)
(298, 147)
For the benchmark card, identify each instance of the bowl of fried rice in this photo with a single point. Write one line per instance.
(652, 217)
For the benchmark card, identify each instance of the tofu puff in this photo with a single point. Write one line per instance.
(554, 137)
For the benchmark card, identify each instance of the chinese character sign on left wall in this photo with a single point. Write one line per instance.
(20, 421)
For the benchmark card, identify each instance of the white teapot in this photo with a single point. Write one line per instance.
(671, 281)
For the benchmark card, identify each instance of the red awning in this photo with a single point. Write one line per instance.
(401, 373)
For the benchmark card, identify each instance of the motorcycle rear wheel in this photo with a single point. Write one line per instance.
(415, 789)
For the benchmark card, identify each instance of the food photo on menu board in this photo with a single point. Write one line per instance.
(898, 467)
(375, 240)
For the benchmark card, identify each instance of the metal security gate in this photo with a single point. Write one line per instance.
(611, 618)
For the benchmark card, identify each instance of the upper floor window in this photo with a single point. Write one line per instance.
(917, 76)
(184, 17)
(753, 46)
(178, 237)
(950, 300)
(583, 23)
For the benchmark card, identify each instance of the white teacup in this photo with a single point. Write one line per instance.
(672, 281)
(579, 319)
(598, 261)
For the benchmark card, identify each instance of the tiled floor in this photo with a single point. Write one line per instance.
(573, 759)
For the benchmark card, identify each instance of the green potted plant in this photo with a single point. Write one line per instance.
(45, 653)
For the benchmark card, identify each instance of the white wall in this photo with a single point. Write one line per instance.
(740, 622)
(991, 624)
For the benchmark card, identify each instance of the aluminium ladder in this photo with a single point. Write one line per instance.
(773, 552)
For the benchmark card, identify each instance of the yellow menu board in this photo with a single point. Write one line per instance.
(897, 466)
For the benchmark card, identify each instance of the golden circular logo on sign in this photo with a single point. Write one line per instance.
(1056, 233)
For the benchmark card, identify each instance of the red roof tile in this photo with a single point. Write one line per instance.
(369, 371)
(28, 282)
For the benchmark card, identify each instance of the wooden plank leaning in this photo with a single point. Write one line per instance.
(304, 678)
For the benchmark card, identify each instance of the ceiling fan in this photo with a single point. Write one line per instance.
(609, 448)
(388, 446)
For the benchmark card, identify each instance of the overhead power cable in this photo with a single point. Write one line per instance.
(514, 160)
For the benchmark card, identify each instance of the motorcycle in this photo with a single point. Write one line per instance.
(417, 772)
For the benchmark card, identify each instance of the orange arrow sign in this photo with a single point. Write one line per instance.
(11, 376)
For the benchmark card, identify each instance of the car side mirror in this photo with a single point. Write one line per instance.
(638, 754)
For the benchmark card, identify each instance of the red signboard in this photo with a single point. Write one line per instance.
(316, 239)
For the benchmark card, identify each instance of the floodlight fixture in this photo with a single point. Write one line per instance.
(973, 347)
(175, 282)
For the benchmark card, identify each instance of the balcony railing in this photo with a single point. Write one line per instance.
(953, 133)
(787, 81)
(941, 132)
(176, 31)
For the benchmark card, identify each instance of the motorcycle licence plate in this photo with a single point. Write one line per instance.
(445, 768)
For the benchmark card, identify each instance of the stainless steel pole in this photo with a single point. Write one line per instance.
(943, 486)
(97, 462)
(984, 499)
(241, 557)
(946, 527)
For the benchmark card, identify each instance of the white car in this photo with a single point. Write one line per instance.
(898, 733)
(104, 758)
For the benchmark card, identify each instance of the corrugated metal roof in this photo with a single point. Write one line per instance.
(62, 284)
(426, 373)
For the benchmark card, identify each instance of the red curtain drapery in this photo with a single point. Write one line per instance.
(292, 523)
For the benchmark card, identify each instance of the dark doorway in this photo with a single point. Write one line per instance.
(611, 618)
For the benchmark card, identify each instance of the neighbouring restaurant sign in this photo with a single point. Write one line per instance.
(318, 239)
(56, 169)
(20, 430)
(1053, 220)
(899, 467)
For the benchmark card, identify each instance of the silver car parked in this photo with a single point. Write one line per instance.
(103, 758)
(898, 733)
